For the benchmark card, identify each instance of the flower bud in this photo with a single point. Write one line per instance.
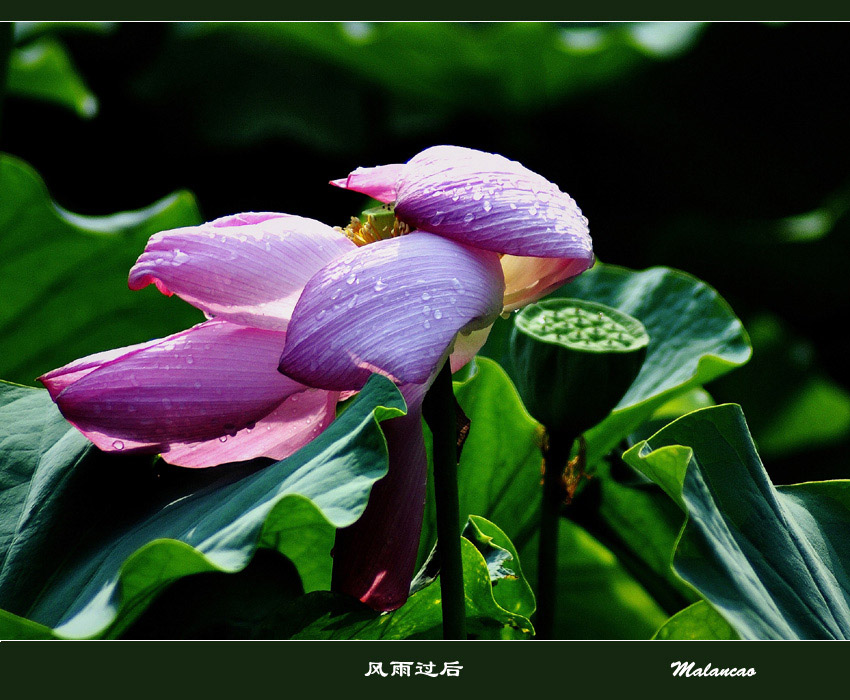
(573, 361)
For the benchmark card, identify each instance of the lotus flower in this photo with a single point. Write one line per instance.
(471, 235)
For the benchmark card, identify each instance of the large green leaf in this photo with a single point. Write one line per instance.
(697, 621)
(42, 69)
(265, 601)
(89, 539)
(63, 277)
(772, 561)
(694, 338)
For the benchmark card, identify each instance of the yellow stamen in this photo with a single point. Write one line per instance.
(381, 224)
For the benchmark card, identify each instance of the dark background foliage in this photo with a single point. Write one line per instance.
(719, 149)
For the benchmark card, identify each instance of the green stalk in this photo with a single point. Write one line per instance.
(439, 411)
(555, 459)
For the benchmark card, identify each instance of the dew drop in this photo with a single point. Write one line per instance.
(189, 359)
(427, 324)
(118, 445)
(380, 284)
(352, 278)
(352, 302)
(223, 438)
(487, 205)
(469, 217)
(477, 195)
(250, 426)
(179, 258)
(513, 206)
(426, 309)
(438, 314)
(437, 219)
(335, 293)
(425, 296)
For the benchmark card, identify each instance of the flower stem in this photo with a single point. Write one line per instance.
(439, 411)
(555, 458)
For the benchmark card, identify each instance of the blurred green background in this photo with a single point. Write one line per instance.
(720, 149)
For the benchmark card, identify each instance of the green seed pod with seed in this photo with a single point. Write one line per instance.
(574, 360)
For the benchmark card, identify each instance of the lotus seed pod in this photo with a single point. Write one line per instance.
(574, 360)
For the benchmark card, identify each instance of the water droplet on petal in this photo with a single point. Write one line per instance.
(335, 293)
(469, 217)
(380, 284)
(179, 258)
(118, 445)
(427, 324)
(487, 205)
(438, 314)
(425, 296)
(352, 278)
(426, 310)
(223, 438)
(189, 359)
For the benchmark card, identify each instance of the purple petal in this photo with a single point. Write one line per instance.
(379, 183)
(392, 307)
(374, 559)
(284, 431)
(248, 268)
(488, 201)
(210, 381)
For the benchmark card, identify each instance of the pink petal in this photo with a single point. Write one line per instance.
(529, 279)
(57, 380)
(248, 268)
(210, 381)
(379, 183)
(374, 559)
(281, 433)
(488, 201)
(393, 307)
